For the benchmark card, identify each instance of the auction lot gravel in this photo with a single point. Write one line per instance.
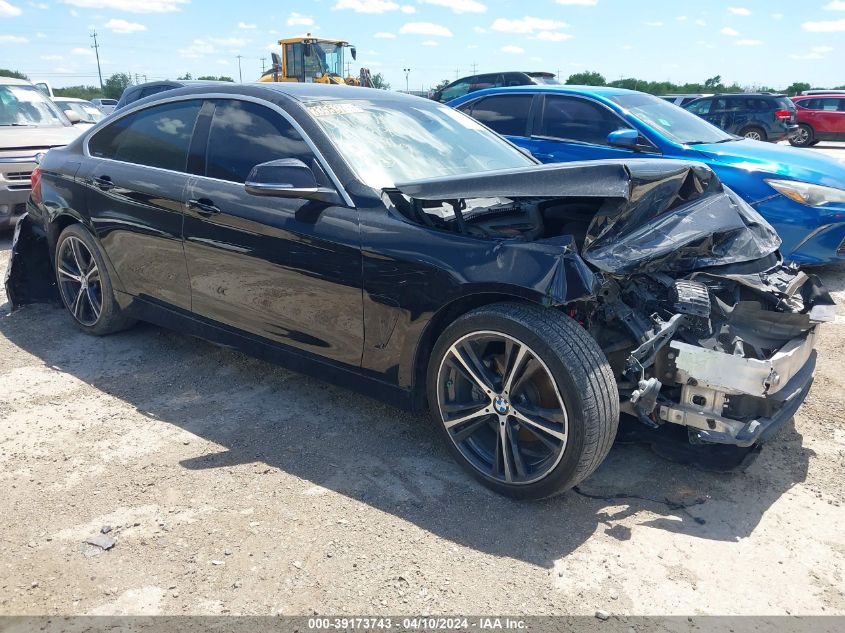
(214, 483)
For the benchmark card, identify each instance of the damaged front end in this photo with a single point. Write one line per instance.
(702, 324)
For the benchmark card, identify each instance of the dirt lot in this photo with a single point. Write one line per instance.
(232, 486)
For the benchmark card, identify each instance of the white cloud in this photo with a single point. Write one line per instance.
(479, 29)
(655, 24)
(39, 5)
(82, 52)
(831, 26)
(130, 6)
(12, 39)
(553, 36)
(459, 6)
(513, 50)
(408, 9)
(246, 26)
(425, 28)
(52, 58)
(738, 11)
(8, 9)
(579, 3)
(385, 36)
(748, 42)
(729, 32)
(297, 19)
(701, 23)
(430, 43)
(527, 24)
(777, 16)
(366, 6)
(682, 18)
(836, 5)
(223, 62)
(124, 26)
(817, 52)
(197, 48)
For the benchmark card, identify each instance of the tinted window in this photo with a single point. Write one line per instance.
(825, 104)
(700, 107)
(506, 114)
(153, 90)
(579, 120)
(158, 136)
(457, 89)
(244, 135)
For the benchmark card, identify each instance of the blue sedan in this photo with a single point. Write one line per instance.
(801, 193)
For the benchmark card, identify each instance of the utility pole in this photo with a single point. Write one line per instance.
(96, 48)
(240, 73)
(407, 72)
(136, 79)
(145, 79)
(457, 73)
(348, 69)
(474, 68)
(263, 59)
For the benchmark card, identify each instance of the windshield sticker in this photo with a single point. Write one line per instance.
(334, 109)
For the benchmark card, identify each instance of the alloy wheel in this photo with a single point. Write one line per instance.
(79, 281)
(753, 135)
(501, 407)
(802, 136)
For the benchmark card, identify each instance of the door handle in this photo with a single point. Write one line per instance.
(203, 206)
(103, 182)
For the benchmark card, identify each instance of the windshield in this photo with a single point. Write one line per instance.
(27, 106)
(387, 144)
(673, 122)
(87, 111)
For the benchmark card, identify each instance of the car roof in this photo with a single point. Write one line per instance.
(73, 99)
(587, 91)
(304, 92)
(821, 96)
(12, 81)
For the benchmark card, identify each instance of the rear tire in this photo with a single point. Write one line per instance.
(84, 283)
(804, 137)
(524, 399)
(754, 134)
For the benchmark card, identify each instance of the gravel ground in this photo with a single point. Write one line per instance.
(228, 485)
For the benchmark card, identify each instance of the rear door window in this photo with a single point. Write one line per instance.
(456, 90)
(701, 107)
(244, 135)
(158, 136)
(506, 114)
(580, 120)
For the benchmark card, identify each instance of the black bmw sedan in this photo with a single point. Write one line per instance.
(396, 246)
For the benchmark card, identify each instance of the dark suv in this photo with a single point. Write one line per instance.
(134, 93)
(460, 87)
(761, 117)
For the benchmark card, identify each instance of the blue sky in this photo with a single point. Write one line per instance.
(753, 42)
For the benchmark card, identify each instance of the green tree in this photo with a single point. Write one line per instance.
(797, 88)
(213, 78)
(79, 92)
(587, 78)
(187, 77)
(4, 72)
(380, 82)
(115, 85)
(713, 83)
(443, 83)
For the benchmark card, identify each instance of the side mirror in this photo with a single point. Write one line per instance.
(276, 60)
(72, 116)
(354, 52)
(288, 178)
(627, 139)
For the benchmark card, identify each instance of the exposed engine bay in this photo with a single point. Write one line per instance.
(701, 323)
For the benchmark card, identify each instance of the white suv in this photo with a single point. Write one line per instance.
(29, 124)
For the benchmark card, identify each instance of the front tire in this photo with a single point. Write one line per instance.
(84, 283)
(524, 398)
(804, 137)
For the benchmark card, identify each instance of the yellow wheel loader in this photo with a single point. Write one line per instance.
(314, 60)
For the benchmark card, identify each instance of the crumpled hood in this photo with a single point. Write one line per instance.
(20, 140)
(778, 160)
(657, 215)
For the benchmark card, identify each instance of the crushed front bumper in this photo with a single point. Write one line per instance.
(711, 379)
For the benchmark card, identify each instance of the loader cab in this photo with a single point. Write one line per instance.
(310, 60)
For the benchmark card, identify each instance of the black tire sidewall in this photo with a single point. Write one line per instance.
(568, 465)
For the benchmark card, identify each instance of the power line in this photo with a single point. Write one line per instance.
(96, 48)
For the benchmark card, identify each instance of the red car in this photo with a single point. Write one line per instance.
(820, 118)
